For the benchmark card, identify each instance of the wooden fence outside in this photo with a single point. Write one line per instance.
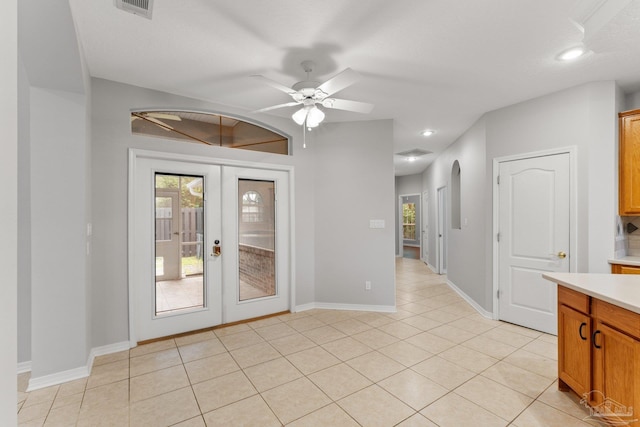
(192, 229)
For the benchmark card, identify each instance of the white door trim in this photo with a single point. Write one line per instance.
(400, 231)
(441, 218)
(573, 212)
(135, 154)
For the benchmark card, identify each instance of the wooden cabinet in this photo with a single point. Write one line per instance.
(599, 354)
(624, 269)
(574, 350)
(629, 163)
(616, 358)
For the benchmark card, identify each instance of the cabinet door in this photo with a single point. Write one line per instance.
(616, 381)
(574, 349)
(629, 169)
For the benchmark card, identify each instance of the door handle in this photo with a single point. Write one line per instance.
(595, 334)
(562, 255)
(582, 325)
(216, 248)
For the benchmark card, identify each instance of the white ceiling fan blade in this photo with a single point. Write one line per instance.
(273, 107)
(164, 116)
(338, 82)
(345, 104)
(274, 84)
(163, 125)
(159, 123)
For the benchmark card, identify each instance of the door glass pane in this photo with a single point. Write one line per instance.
(256, 239)
(179, 234)
(409, 221)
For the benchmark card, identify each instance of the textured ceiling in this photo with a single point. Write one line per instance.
(424, 63)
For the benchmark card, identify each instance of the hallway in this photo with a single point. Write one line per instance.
(435, 362)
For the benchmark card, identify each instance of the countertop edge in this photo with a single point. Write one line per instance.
(609, 287)
(633, 261)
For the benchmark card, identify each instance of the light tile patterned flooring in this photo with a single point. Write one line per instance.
(435, 362)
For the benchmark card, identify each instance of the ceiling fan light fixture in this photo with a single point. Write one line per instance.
(300, 116)
(572, 53)
(427, 132)
(315, 117)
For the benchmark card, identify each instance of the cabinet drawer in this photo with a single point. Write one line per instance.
(624, 269)
(573, 299)
(617, 317)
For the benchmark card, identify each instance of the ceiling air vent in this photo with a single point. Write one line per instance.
(416, 152)
(137, 7)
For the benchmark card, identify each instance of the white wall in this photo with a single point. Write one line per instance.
(632, 101)
(54, 192)
(605, 100)
(59, 287)
(24, 218)
(9, 211)
(584, 117)
(466, 257)
(348, 193)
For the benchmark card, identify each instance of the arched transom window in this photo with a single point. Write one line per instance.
(208, 129)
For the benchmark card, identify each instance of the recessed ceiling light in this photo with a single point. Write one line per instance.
(428, 132)
(572, 53)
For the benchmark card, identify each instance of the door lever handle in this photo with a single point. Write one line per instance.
(559, 255)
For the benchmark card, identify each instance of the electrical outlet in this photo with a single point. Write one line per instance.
(367, 285)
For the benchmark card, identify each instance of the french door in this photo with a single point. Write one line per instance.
(210, 245)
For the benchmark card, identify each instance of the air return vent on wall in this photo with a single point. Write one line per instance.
(138, 7)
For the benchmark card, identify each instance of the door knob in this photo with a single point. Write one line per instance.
(562, 255)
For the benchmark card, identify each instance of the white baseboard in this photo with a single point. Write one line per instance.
(24, 367)
(471, 302)
(58, 378)
(431, 267)
(304, 307)
(106, 349)
(75, 373)
(351, 307)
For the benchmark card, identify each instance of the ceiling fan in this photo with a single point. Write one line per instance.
(310, 94)
(156, 118)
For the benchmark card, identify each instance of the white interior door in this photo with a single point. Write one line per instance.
(534, 226)
(442, 230)
(425, 227)
(255, 244)
(150, 319)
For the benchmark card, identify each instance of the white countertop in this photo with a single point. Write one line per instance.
(627, 260)
(622, 290)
